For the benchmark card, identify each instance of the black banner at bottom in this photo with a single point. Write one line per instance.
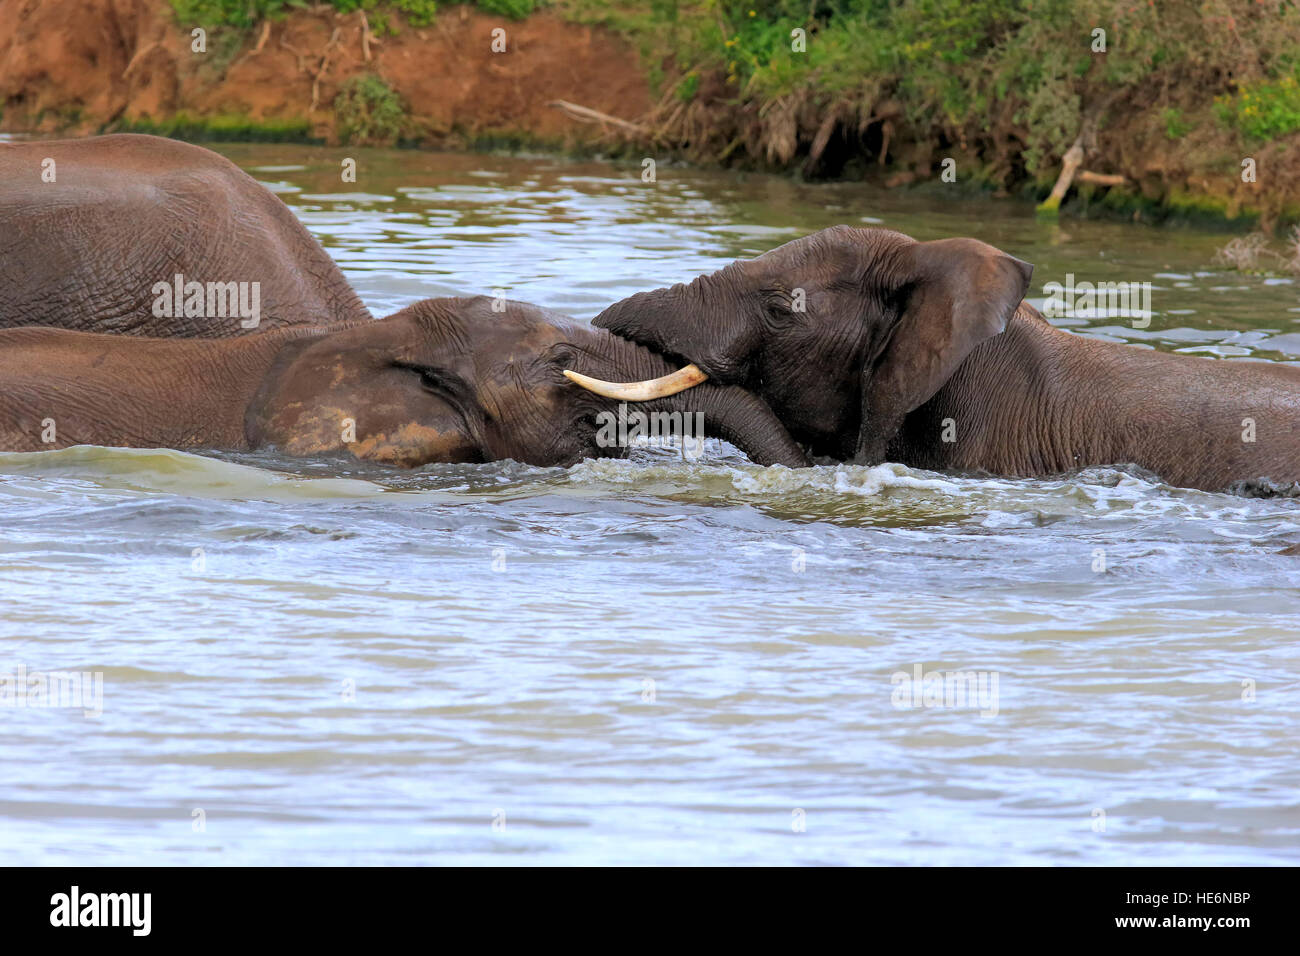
(334, 906)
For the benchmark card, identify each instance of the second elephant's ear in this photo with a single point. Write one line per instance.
(958, 293)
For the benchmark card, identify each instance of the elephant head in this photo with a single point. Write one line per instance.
(842, 333)
(477, 379)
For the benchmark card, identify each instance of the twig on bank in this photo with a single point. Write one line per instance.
(1084, 143)
(1070, 172)
(139, 54)
(365, 36)
(1100, 179)
(821, 140)
(586, 114)
(1070, 162)
(1251, 253)
(320, 72)
(302, 57)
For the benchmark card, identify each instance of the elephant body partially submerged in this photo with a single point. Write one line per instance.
(444, 380)
(863, 343)
(101, 234)
(869, 345)
(1037, 400)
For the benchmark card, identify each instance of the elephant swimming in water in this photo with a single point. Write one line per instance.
(139, 235)
(444, 380)
(871, 346)
(159, 240)
(866, 344)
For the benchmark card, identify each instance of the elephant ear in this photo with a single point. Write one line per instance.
(958, 293)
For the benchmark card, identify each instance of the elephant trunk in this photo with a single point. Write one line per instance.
(710, 322)
(742, 418)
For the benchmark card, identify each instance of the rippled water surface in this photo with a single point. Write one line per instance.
(652, 661)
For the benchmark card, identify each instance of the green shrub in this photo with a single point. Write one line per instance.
(221, 128)
(1263, 111)
(1010, 79)
(237, 13)
(419, 12)
(514, 9)
(1175, 128)
(369, 112)
(245, 13)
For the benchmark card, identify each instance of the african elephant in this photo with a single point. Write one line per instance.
(94, 234)
(444, 380)
(871, 346)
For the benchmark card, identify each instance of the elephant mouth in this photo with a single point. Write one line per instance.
(662, 387)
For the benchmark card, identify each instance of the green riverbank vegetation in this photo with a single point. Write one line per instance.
(1168, 98)
(1187, 109)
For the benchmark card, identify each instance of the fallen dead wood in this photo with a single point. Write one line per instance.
(365, 36)
(1084, 143)
(140, 53)
(1070, 164)
(586, 114)
(302, 57)
(320, 72)
(1100, 179)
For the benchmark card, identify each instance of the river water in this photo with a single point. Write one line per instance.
(655, 661)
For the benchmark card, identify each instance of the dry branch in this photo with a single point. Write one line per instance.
(135, 60)
(1084, 143)
(365, 36)
(1070, 163)
(586, 114)
(1100, 179)
(320, 72)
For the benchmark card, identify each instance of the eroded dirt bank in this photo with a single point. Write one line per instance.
(82, 66)
(86, 66)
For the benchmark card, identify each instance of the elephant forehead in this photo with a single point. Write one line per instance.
(521, 360)
(321, 369)
(832, 251)
(519, 341)
(338, 372)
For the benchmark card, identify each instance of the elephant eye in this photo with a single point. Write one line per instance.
(783, 305)
(449, 391)
(431, 378)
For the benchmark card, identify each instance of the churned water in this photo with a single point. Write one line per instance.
(652, 660)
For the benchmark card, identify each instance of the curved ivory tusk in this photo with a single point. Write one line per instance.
(671, 384)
